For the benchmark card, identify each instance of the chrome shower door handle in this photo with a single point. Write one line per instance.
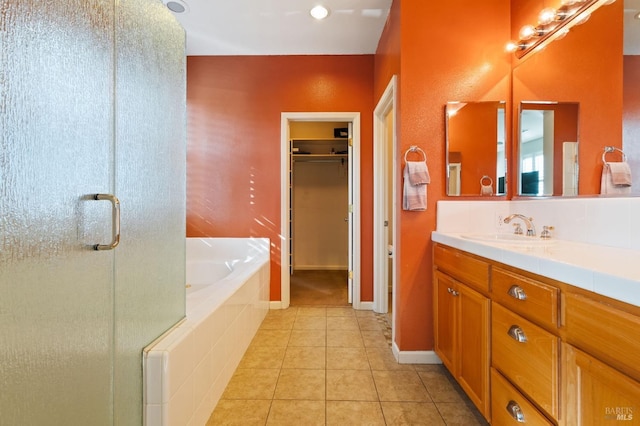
(115, 226)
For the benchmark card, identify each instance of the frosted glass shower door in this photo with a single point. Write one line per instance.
(92, 100)
(56, 151)
(150, 171)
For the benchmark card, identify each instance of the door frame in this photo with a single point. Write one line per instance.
(386, 104)
(354, 215)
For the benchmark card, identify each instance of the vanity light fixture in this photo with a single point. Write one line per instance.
(319, 12)
(553, 24)
(636, 16)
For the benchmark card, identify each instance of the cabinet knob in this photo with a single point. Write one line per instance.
(517, 334)
(515, 411)
(517, 292)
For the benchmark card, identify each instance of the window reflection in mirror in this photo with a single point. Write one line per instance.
(475, 143)
(548, 149)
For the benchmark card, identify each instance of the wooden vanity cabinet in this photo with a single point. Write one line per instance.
(461, 317)
(558, 355)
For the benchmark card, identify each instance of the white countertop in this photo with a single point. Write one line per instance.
(609, 271)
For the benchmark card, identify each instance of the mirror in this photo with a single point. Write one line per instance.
(548, 149)
(476, 159)
(586, 68)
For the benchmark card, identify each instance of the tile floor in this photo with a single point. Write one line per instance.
(333, 366)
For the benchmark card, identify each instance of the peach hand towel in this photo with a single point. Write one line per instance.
(616, 179)
(414, 196)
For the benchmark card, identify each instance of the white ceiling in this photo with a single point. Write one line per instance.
(282, 27)
(631, 27)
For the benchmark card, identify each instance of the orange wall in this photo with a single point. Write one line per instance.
(566, 72)
(234, 106)
(452, 50)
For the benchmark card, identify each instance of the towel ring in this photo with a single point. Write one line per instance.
(484, 178)
(415, 148)
(608, 149)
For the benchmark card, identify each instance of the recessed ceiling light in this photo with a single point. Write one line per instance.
(319, 12)
(177, 6)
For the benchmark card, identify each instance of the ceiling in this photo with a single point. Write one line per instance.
(281, 27)
(631, 27)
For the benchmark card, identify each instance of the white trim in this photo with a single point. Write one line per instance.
(275, 304)
(386, 104)
(365, 306)
(415, 357)
(286, 117)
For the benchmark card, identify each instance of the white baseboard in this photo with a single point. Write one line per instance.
(275, 304)
(365, 306)
(321, 268)
(415, 357)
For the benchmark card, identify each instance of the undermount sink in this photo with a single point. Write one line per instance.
(515, 239)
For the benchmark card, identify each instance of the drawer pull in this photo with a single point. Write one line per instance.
(517, 334)
(515, 411)
(517, 292)
(452, 291)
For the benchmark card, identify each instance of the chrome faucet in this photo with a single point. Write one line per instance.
(528, 221)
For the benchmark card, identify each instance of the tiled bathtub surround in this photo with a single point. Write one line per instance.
(596, 241)
(187, 370)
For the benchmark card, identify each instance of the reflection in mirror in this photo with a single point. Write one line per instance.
(475, 139)
(548, 149)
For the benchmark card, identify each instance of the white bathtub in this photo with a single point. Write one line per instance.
(187, 369)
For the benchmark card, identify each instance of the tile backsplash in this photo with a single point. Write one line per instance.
(603, 221)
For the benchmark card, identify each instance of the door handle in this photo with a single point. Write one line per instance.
(115, 224)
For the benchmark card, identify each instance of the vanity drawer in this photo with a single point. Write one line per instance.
(532, 299)
(467, 269)
(509, 407)
(605, 332)
(527, 355)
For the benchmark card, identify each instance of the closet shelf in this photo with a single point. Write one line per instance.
(316, 157)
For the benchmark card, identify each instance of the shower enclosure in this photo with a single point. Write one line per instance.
(92, 101)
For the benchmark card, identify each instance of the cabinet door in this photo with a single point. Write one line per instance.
(56, 150)
(597, 394)
(473, 354)
(445, 320)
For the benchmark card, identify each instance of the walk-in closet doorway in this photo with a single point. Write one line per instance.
(320, 207)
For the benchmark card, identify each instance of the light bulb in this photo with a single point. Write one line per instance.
(527, 32)
(547, 16)
(319, 12)
(512, 46)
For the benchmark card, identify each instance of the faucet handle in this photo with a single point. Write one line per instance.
(517, 229)
(546, 232)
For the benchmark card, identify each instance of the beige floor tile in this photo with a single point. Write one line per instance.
(301, 384)
(267, 338)
(350, 385)
(383, 359)
(311, 311)
(441, 387)
(375, 339)
(240, 413)
(296, 413)
(347, 359)
(400, 386)
(342, 323)
(368, 323)
(313, 358)
(341, 312)
(365, 314)
(344, 338)
(278, 322)
(308, 338)
(252, 384)
(354, 413)
(263, 357)
(411, 413)
(310, 323)
(460, 414)
(282, 313)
